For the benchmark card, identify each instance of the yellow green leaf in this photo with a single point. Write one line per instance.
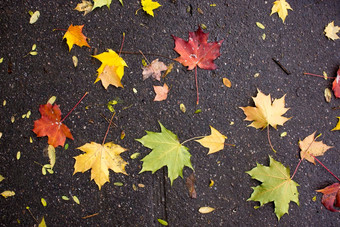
(7, 193)
(182, 107)
(281, 7)
(51, 155)
(18, 155)
(260, 25)
(75, 199)
(162, 222)
(43, 202)
(337, 127)
(84, 6)
(215, 141)
(52, 100)
(134, 155)
(64, 197)
(100, 3)
(42, 223)
(34, 17)
(206, 210)
(149, 6)
(1, 60)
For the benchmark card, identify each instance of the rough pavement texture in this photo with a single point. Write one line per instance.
(299, 45)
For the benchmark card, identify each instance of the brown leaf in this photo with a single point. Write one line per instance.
(161, 92)
(311, 147)
(190, 183)
(154, 70)
(331, 197)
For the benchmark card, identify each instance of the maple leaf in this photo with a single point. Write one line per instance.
(74, 35)
(331, 196)
(149, 6)
(100, 3)
(336, 85)
(161, 92)
(166, 151)
(84, 6)
(154, 70)
(266, 113)
(331, 30)
(277, 186)
(281, 7)
(100, 158)
(215, 141)
(311, 147)
(197, 51)
(111, 70)
(50, 125)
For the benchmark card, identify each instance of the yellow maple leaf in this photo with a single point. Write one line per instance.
(337, 127)
(215, 141)
(149, 6)
(266, 113)
(74, 35)
(111, 70)
(7, 193)
(311, 147)
(84, 6)
(331, 30)
(100, 158)
(281, 7)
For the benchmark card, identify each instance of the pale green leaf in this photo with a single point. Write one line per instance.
(64, 197)
(166, 151)
(277, 186)
(34, 17)
(52, 100)
(100, 3)
(33, 53)
(1, 60)
(43, 202)
(134, 155)
(162, 222)
(75, 199)
(51, 155)
(118, 184)
(260, 25)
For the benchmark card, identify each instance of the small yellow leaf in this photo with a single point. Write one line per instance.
(182, 108)
(64, 197)
(226, 82)
(34, 17)
(134, 90)
(51, 155)
(12, 119)
(314, 199)
(4, 103)
(119, 184)
(281, 7)
(42, 223)
(141, 185)
(206, 210)
(43, 202)
(84, 6)
(43, 171)
(331, 30)
(211, 183)
(213, 5)
(33, 53)
(75, 61)
(162, 222)
(18, 155)
(31, 140)
(134, 155)
(283, 134)
(325, 75)
(75, 199)
(1, 60)
(8, 194)
(337, 127)
(52, 100)
(34, 47)
(122, 135)
(260, 25)
(328, 95)
(1, 178)
(149, 6)
(263, 36)
(215, 141)
(256, 75)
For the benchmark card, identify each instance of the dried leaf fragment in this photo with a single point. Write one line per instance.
(84, 6)
(75, 61)
(309, 148)
(258, 24)
(154, 70)
(7, 193)
(161, 92)
(34, 16)
(331, 197)
(331, 30)
(328, 95)
(226, 82)
(162, 222)
(1, 178)
(206, 210)
(190, 183)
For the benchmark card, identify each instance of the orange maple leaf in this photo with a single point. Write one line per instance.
(74, 35)
(50, 125)
(161, 92)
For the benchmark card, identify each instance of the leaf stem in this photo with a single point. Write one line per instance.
(296, 169)
(197, 137)
(325, 167)
(121, 47)
(27, 208)
(198, 98)
(311, 74)
(108, 128)
(270, 143)
(74, 107)
(137, 53)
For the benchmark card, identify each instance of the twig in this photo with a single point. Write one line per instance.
(90, 216)
(74, 107)
(108, 128)
(281, 66)
(325, 167)
(270, 143)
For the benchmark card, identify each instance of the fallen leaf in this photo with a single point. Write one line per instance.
(154, 70)
(162, 222)
(64, 197)
(215, 141)
(197, 51)
(170, 67)
(328, 95)
(266, 113)
(190, 183)
(74, 35)
(277, 186)
(258, 24)
(325, 75)
(51, 155)
(100, 3)
(42, 223)
(331, 30)
(337, 127)
(281, 7)
(206, 210)
(75, 199)
(331, 197)
(1, 178)
(75, 61)
(84, 6)
(7, 193)
(50, 125)
(182, 107)
(166, 151)
(34, 17)
(336, 85)
(226, 82)
(111, 70)
(135, 155)
(43, 202)
(311, 147)
(149, 6)
(100, 158)
(18, 155)
(283, 134)
(161, 92)
(52, 100)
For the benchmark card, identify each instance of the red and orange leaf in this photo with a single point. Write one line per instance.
(336, 85)
(74, 35)
(49, 125)
(197, 51)
(331, 197)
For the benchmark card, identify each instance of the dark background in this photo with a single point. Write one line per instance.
(299, 45)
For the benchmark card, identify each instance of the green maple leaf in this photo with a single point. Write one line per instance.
(166, 151)
(277, 186)
(100, 3)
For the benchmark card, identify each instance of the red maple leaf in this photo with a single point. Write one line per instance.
(331, 197)
(197, 52)
(336, 85)
(50, 125)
